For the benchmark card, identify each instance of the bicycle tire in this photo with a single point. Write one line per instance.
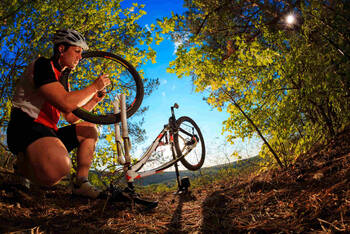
(192, 159)
(133, 103)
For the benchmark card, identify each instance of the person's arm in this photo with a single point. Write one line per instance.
(68, 101)
(71, 118)
(54, 92)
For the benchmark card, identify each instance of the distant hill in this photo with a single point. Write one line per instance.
(169, 178)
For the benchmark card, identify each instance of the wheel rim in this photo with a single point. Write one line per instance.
(124, 78)
(191, 147)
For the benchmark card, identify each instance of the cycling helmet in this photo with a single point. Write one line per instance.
(71, 37)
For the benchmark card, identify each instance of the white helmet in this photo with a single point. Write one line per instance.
(71, 37)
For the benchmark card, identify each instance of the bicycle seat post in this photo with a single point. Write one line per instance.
(172, 111)
(176, 106)
(172, 119)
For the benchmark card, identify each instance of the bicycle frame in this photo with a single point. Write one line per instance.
(132, 171)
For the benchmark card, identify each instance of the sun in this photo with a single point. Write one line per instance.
(290, 19)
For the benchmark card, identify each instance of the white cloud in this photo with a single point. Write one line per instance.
(179, 39)
(176, 45)
(148, 28)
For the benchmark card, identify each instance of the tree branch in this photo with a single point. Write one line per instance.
(256, 128)
(15, 11)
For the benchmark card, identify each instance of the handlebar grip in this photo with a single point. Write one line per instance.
(100, 94)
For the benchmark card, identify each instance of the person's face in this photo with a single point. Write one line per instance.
(70, 58)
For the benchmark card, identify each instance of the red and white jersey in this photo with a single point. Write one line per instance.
(27, 97)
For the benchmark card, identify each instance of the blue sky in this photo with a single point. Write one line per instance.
(181, 91)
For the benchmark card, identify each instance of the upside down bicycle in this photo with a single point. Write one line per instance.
(180, 140)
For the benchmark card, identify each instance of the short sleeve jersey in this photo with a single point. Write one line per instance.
(27, 96)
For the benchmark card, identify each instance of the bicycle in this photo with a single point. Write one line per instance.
(124, 79)
(179, 141)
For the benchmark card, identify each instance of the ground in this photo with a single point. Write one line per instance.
(312, 195)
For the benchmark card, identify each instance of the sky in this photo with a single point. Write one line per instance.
(181, 91)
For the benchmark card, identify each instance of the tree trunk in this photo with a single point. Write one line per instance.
(256, 128)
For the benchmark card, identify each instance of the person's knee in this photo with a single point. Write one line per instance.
(94, 132)
(47, 161)
(66, 166)
(56, 173)
(88, 130)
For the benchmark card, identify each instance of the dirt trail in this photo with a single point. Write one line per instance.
(312, 195)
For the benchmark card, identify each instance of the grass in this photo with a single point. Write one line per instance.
(310, 196)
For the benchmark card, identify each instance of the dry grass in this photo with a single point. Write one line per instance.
(311, 196)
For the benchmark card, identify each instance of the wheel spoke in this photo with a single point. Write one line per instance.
(124, 79)
(190, 143)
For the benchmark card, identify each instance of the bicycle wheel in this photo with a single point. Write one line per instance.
(124, 79)
(189, 143)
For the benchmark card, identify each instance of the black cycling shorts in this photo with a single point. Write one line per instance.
(22, 131)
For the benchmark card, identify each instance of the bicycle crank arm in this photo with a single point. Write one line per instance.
(135, 198)
(129, 195)
(147, 204)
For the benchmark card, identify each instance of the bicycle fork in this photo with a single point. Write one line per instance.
(123, 149)
(126, 145)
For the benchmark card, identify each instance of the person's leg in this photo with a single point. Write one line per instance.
(87, 136)
(46, 161)
(42, 157)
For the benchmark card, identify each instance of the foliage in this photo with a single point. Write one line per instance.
(157, 188)
(290, 81)
(26, 28)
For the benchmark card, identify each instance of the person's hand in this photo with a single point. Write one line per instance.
(101, 82)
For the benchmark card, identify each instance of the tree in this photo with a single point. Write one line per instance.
(290, 82)
(26, 28)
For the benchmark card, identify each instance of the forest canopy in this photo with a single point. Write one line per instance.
(26, 30)
(280, 68)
